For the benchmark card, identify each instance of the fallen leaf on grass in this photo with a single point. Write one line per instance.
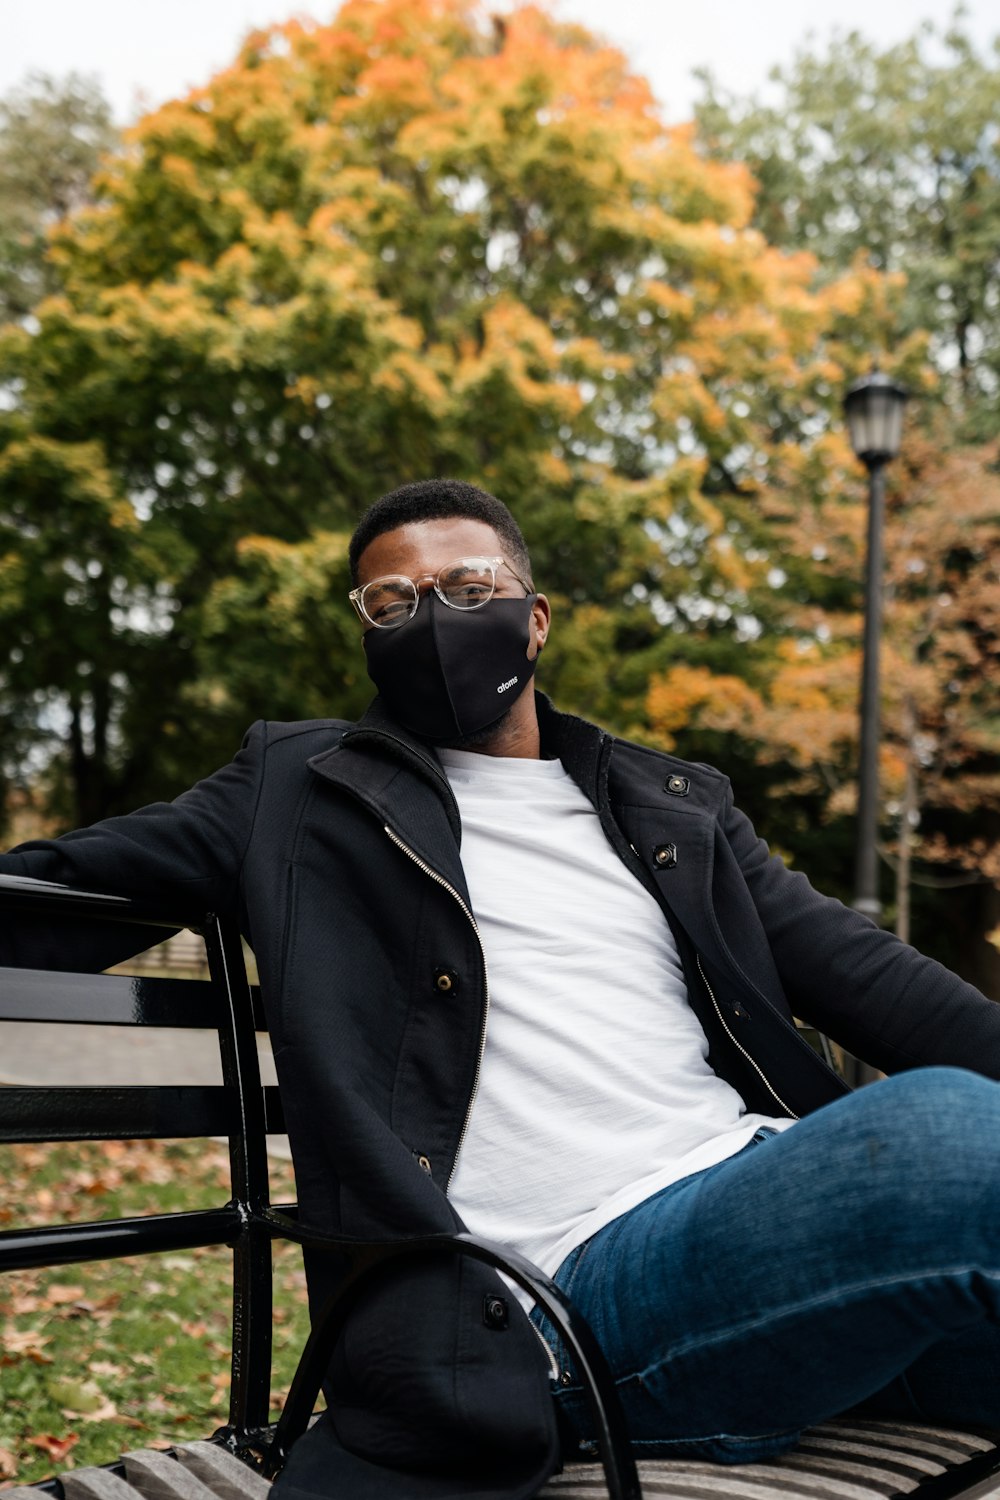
(57, 1295)
(105, 1413)
(8, 1464)
(84, 1396)
(56, 1447)
(25, 1343)
(106, 1368)
(20, 1305)
(18, 1340)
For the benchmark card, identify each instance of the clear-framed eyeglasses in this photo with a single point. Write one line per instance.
(465, 583)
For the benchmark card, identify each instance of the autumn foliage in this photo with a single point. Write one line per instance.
(423, 240)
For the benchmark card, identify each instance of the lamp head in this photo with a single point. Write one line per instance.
(874, 408)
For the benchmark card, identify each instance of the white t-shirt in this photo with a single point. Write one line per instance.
(595, 1090)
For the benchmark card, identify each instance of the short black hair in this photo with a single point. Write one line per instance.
(438, 500)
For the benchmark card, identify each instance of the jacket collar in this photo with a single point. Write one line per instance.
(371, 755)
(583, 748)
(378, 728)
(401, 782)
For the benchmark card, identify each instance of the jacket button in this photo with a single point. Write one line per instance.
(496, 1314)
(678, 785)
(445, 980)
(665, 856)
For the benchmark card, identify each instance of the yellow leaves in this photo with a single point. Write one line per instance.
(183, 175)
(284, 582)
(520, 351)
(174, 124)
(403, 372)
(669, 299)
(553, 472)
(681, 394)
(43, 472)
(685, 696)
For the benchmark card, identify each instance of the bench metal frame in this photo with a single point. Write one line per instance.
(244, 1111)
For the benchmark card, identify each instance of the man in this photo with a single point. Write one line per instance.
(532, 980)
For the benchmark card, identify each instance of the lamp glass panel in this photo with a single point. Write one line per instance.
(857, 421)
(894, 427)
(875, 420)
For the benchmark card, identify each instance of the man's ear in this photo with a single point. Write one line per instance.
(541, 619)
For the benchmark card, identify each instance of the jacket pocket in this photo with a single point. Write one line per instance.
(287, 930)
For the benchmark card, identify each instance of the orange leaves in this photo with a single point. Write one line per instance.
(518, 351)
(686, 695)
(57, 1448)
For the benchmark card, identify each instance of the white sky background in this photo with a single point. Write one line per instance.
(143, 54)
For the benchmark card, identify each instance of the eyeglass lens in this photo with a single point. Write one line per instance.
(463, 584)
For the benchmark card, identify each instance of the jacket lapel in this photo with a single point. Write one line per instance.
(402, 784)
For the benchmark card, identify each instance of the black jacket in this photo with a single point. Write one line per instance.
(339, 846)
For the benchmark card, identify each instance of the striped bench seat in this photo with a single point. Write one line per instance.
(849, 1459)
(842, 1460)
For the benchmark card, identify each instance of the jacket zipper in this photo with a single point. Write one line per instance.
(756, 1067)
(422, 865)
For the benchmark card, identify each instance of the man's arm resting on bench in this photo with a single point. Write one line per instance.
(186, 854)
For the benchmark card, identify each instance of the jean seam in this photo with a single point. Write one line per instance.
(716, 1437)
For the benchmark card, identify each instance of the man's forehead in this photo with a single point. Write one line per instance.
(422, 547)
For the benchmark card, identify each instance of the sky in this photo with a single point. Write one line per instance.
(144, 54)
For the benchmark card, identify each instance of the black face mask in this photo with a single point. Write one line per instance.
(449, 673)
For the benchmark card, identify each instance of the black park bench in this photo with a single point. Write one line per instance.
(845, 1459)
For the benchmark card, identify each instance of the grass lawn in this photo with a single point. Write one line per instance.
(99, 1359)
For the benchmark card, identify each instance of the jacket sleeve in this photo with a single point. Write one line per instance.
(186, 854)
(862, 986)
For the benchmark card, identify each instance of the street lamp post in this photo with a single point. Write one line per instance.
(874, 407)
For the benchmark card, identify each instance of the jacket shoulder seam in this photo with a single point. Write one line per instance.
(719, 778)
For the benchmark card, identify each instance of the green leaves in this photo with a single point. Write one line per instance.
(893, 156)
(52, 136)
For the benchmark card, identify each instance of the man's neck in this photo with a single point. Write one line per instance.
(517, 736)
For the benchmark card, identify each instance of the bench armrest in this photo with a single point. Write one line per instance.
(372, 1261)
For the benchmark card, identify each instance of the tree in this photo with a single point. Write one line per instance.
(940, 746)
(411, 241)
(53, 133)
(892, 155)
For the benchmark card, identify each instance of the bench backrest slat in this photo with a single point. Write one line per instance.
(107, 999)
(166, 1112)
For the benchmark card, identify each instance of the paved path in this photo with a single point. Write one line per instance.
(68, 1056)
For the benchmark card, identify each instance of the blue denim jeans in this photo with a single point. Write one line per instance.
(851, 1261)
